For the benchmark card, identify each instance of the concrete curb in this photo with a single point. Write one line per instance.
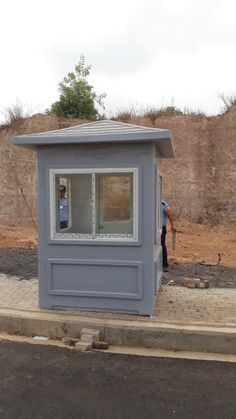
(151, 334)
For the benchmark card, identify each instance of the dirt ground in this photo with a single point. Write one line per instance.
(195, 244)
(204, 252)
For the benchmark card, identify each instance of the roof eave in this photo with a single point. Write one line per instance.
(102, 138)
(165, 149)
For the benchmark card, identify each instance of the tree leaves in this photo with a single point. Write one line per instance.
(77, 97)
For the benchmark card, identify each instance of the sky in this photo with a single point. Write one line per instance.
(143, 53)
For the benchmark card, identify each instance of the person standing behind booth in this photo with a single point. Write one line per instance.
(166, 215)
(63, 207)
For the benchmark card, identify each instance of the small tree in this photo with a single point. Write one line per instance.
(77, 97)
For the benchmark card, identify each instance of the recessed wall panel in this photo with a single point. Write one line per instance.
(114, 279)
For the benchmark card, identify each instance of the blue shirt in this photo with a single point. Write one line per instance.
(63, 209)
(165, 206)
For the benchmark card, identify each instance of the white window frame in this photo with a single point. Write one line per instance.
(94, 237)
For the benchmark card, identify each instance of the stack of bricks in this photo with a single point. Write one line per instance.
(89, 339)
(195, 283)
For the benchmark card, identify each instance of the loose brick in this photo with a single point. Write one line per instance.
(83, 346)
(101, 345)
(88, 338)
(96, 333)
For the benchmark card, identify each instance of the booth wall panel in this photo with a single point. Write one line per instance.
(91, 278)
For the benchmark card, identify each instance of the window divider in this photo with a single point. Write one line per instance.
(93, 203)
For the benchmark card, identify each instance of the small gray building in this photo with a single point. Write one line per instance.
(99, 190)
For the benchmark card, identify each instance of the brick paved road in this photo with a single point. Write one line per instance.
(174, 304)
(197, 306)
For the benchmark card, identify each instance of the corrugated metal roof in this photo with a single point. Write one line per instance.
(97, 128)
(105, 131)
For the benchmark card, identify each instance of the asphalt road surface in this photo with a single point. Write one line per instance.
(50, 382)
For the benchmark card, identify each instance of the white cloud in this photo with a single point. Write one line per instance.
(141, 51)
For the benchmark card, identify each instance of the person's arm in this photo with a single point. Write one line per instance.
(171, 219)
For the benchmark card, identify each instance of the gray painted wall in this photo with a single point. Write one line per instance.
(110, 276)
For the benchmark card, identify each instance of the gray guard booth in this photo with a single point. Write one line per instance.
(99, 244)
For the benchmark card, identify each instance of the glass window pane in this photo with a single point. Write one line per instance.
(93, 205)
(62, 203)
(73, 203)
(114, 203)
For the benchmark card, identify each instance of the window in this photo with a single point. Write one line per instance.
(94, 204)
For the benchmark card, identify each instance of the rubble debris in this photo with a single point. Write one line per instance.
(41, 337)
(96, 334)
(171, 282)
(189, 283)
(83, 346)
(70, 341)
(89, 339)
(195, 283)
(203, 262)
(101, 345)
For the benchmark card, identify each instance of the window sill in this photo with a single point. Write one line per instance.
(95, 242)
